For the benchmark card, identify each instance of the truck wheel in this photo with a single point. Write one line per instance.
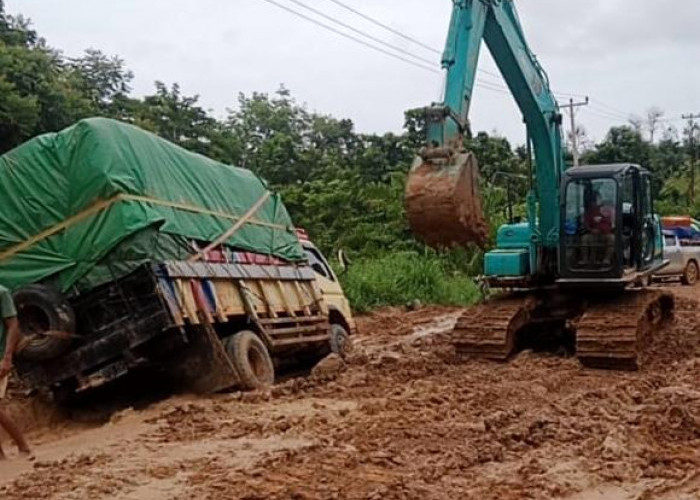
(691, 274)
(251, 360)
(43, 309)
(340, 340)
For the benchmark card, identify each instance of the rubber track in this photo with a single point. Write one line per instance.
(612, 335)
(488, 330)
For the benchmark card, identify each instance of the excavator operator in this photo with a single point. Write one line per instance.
(599, 239)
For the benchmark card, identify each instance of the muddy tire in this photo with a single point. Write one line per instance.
(42, 309)
(691, 274)
(340, 341)
(251, 360)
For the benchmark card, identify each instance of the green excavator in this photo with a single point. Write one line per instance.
(577, 271)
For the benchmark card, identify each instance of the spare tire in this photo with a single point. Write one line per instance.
(43, 309)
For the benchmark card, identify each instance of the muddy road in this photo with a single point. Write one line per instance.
(403, 419)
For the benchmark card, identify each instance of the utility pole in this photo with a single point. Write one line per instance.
(693, 153)
(574, 138)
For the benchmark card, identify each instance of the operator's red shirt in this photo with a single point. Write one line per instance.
(600, 218)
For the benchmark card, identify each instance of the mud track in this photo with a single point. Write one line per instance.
(402, 420)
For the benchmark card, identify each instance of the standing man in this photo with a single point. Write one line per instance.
(9, 340)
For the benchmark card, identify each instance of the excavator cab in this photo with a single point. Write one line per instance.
(609, 233)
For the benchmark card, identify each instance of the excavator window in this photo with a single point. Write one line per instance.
(591, 222)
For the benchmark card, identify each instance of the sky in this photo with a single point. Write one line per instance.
(626, 55)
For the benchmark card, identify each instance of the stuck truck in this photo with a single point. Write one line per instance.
(124, 250)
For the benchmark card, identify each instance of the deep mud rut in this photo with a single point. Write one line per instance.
(403, 419)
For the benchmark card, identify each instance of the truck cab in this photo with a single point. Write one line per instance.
(340, 313)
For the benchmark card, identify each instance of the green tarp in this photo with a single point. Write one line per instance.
(89, 203)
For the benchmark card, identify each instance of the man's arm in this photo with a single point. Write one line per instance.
(12, 329)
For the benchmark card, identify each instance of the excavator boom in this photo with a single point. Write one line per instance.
(444, 168)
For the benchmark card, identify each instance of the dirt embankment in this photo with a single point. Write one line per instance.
(403, 419)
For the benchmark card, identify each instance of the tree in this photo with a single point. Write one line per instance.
(636, 123)
(621, 145)
(37, 92)
(101, 78)
(173, 116)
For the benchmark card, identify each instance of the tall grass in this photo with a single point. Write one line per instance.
(401, 278)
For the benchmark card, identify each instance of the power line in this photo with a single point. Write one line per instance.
(386, 27)
(360, 32)
(484, 85)
(602, 107)
(600, 118)
(610, 114)
(401, 34)
(350, 37)
(490, 86)
(602, 110)
(607, 118)
(569, 95)
(412, 39)
(611, 109)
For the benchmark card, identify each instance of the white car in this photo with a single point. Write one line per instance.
(684, 258)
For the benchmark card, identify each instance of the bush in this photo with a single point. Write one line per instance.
(399, 278)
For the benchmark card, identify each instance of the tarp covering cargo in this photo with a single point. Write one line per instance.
(87, 204)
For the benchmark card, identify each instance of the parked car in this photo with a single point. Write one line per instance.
(684, 260)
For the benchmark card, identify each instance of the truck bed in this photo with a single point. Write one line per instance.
(150, 316)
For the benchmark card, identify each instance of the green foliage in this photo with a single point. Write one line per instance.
(400, 278)
(39, 91)
(344, 187)
(669, 161)
(101, 78)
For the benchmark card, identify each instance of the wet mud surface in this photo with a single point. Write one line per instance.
(403, 418)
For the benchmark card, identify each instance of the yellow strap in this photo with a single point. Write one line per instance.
(230, 232)
(104, 204)
(20, 247)
(199, 210)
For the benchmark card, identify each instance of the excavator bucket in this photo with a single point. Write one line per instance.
(443, 202)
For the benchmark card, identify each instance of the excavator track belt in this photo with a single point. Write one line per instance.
(488, 330)
(612, 335)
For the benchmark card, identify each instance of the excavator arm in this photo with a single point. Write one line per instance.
(443, 202)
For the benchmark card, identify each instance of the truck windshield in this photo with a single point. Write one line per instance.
(590, 223)
(318, 263)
